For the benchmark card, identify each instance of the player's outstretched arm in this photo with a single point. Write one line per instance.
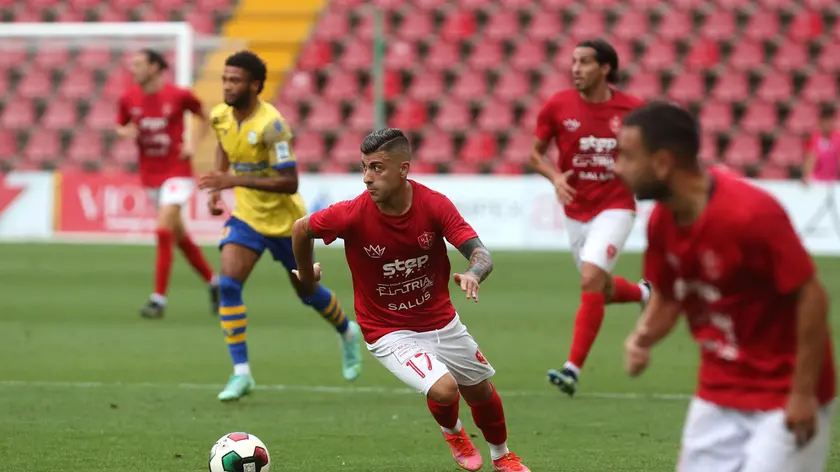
(657, 321)
(303, 247)
(538, 161)
(481, 264)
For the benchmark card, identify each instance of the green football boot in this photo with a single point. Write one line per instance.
(237, 387)
(351, 352)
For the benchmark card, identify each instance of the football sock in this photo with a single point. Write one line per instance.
(590, 315)
(234, 319)
(446, 415)
(196, 258)
(489, 416)
(163, 263)
(625, 291)
(326, 303)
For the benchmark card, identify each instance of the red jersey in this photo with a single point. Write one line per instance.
(586, 133)
(399, 264)
(735, 271)
(159, 117)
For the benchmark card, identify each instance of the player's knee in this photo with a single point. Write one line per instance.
(230, 288)
(593, 279)
(169, 217)
(478, 393)
(444, 391)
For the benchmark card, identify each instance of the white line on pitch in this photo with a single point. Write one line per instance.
(329, 389)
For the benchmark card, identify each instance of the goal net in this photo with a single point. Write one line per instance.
(62, 82)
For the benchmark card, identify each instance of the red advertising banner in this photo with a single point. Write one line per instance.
(116, 204)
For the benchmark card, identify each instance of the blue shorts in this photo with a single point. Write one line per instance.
(238, 232)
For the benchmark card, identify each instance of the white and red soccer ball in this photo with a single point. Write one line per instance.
(239, 452)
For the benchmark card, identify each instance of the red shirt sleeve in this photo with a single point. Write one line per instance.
(546, 127)
(773, 234)
(656, 268)
(122, 112)
(332, 222)
(455, 229)
(191, 103)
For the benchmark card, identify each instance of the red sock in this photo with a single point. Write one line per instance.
(587, 323)
(625, 291)
(163, 266)
(445, 415)
(489, 416)
(196, 258)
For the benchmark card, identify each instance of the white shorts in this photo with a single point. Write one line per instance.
(600, 240)
(725, 440)
(174, 191)
(421, 359)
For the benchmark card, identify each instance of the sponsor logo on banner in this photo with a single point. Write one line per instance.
(26, 205)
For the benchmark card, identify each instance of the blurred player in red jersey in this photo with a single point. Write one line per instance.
(724, 252)
(394, 242)
(600, 209)
(151, 112)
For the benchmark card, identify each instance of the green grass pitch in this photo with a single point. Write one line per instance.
(88, 385)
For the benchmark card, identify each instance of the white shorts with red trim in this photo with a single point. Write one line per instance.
(173, 191)
(600, 240)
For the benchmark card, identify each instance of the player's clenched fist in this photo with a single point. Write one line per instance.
(214, 204)
(307, 277)
(801, 417)
(636, 357)
(468, 283)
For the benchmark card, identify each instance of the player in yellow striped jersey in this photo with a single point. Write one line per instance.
(255, 143)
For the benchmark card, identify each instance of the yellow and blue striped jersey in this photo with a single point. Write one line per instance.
(259, 146)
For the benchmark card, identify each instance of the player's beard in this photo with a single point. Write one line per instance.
(239, 102)
(657, 190)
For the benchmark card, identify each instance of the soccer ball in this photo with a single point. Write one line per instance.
(239, 452)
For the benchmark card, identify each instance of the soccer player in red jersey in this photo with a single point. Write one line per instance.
(724, 252)
(600, 209)
(394, 243)
(151, 112)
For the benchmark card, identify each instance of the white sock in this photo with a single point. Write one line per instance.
(214, 281)
(497, 452)
(158, 298)
(572, 367)
(242, 369)
(457, 429)
(348, 333)
(645, 292)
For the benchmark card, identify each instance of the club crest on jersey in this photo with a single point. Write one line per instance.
(615, 124)
(426, 240)
(611, 252)
(571, 124)
(375, 251)
(252, 138)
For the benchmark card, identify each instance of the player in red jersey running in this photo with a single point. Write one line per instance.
(151, 112)
(724, 252)
(600, 209)
(394, 242)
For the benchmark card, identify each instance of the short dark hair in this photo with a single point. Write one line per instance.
(251, 63)
(665, 125)
(155, 57)
(388, 140)
(604, 54)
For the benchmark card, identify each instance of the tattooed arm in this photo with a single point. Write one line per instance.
(481, 264)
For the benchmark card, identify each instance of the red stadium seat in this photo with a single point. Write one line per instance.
(453, 115)
(708, 148)
(344, 5)
(731, 87)
(528, 54)
(410, 115)
(464, 168)
(443, 55)
(46, 148)
(324, 116)
(518, 4)
(528, 121)
(820, 87)
(552, 83)
(469, 85)
(18, 114)
(334, 25)
(27, 14)
(762, 25)
(116, 83)
(626, 55)
(357, 55)
(675, 25)
(486, 54)
(503, 25)
(400, 54)
(427, 86)
(13, 53)
(212, 5)
(8, 145)
(791, 56)
(60, 114)
(687, 88)
(645, 85)
(806, 26)
(291, 112)
(743, 150)
(42, 4)
(83, 5)
(315, 55)
(645, 4)
(102, 115)
(86, 147)
(631, 25)
(342, 85)
(437, 147)
(4, 84)
(124, 152)
(346, 148)
(391, 85)
(458, 25)
(787, 150)
(480, 146)
(421, 26)
(747, 55)
(331, 167)
(772, 172)
(660, 55)
(202, 23)
(775, 87)
(703, 55)
(716, 117)
(518, 148)
(824, 5)
(93, 57)
(110, 15)
(829, 59)
(558, 5)
(760, 117)
(719, 26)
(496, 116)
(546, 26)
(78, 83)
(300, 85)
(731, 5)
(70, 16)
(803, 118)
(309, 148)
(36, 84)
(507, 168)
(362, 117)
(513, 85)
(122, 6)
(587, 25)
